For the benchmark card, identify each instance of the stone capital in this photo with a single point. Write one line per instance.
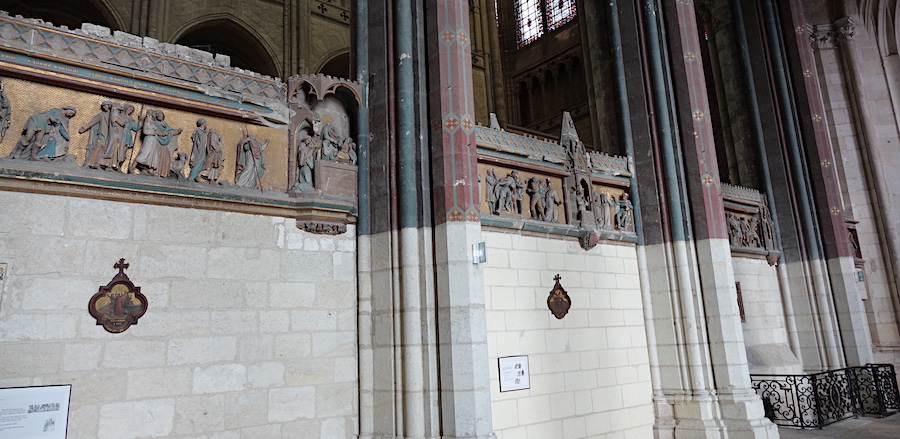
(832, 35)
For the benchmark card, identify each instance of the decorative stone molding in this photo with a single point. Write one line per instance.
(830, 36)
(97, 45)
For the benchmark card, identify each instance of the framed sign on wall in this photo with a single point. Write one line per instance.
(34, 412)
(514, 373)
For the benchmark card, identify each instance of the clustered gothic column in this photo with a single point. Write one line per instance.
(703, 385)
(830, 254)
(423, 336)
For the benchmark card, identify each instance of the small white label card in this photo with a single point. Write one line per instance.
(514, 373)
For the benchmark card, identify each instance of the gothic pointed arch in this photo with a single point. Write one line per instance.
(883, 16)
(228, 35)
(66, 13)
(337, 65)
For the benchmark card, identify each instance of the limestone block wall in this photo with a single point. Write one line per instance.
(765, 329)
(590, 374)
(250, 331)
(860, 108)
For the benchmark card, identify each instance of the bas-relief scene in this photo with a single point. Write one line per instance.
(119, 136)
(517, 193)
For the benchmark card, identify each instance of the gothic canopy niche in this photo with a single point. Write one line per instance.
(322, 152)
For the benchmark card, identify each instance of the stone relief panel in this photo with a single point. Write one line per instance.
(529, 178)
(129, 137)
(520, 194)
(751, 229)
(136, 120)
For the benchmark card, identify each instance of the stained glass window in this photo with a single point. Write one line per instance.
(534, 18)
(559, 12)
(530, 21)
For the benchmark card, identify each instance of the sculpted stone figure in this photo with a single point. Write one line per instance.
(251, 163)
(347, 153)
(98, 142)
(159, 142)
(121, 135)
(45, 135)
(5, 113)
(603, 206)
(506, 194)
(308, 151)
(490, 181)
(536, 190)
(551, 200)
(206, 154)
(623, 211)
(734, 228)
(331, 142)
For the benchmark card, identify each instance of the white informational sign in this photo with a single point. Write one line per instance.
(34, 412)
(514, 373)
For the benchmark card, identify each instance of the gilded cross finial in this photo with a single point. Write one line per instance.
(557, 278)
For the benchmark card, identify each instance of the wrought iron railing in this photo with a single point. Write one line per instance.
(819, 399)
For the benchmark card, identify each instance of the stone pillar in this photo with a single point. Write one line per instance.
(845, 304)
(465, 392)
(422, 312)
(703, 365)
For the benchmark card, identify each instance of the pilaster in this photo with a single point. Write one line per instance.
(845, 303)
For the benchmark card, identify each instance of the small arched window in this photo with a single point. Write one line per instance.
(534, 18)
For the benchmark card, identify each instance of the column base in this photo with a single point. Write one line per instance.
(707, 418)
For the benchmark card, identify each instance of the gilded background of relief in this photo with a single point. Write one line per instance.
(28, 98)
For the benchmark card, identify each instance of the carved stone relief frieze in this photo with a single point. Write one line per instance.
(45, 135)
(543, 199)
(753, 230)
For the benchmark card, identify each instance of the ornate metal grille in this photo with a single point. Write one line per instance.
(819, 399)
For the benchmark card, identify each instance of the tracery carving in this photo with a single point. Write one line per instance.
(324, 229)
